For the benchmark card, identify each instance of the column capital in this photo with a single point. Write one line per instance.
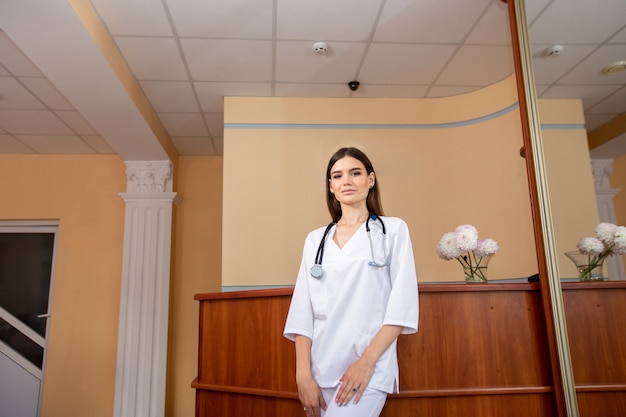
(602, 169)
(148, 176)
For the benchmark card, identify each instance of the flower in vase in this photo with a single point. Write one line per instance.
(609, 240)
(472, 253)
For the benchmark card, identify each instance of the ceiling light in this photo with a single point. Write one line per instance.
(615, 67)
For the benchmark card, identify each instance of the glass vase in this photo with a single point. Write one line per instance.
(589, 266)
(475, 269)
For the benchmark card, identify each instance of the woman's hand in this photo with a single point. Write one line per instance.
(311, 397)
(354, 381)
(357, 377)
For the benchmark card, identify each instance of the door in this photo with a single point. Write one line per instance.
(26, 266)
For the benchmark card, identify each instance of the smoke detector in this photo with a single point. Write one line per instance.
(554, 50)
(615, 67)
(320, 48)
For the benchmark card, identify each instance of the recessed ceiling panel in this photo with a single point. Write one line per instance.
(228, 60)
(326, 20)
(153, 58)
(240, 19)
(478, 66)
(170, 96)
(404, 64)
(428, 21)
(134, 17)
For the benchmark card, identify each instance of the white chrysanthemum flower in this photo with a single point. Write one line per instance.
(619, 240)
(486, 247)
(447, 248)
(466, 237)
(606, 232)
(590, 246)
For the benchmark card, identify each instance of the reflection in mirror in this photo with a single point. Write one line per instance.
(571, 44)
(575, 190)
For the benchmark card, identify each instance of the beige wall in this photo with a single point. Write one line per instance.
(198, 256)
(80, 192)
(435, 176)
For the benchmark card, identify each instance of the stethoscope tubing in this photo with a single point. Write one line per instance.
(317, 271)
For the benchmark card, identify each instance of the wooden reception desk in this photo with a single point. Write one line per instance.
(481, 350)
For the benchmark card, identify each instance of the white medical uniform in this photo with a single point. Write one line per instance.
(342, 311)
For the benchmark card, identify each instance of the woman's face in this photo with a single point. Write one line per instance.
(349, 181)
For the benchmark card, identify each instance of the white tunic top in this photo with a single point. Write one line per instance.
(344, 309)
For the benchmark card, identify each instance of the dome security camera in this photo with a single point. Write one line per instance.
(354, 85)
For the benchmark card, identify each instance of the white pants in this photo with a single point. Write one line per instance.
(370, 404)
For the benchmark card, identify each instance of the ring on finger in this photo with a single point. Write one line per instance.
(354, 390)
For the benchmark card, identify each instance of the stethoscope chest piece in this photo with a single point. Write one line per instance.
(317, 271)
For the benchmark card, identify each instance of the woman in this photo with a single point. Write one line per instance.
(356, 292)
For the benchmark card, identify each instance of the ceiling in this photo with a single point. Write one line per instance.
(170, 63)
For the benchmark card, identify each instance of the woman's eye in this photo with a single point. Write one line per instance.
(356, 173)
(336, 177)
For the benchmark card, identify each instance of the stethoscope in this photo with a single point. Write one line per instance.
(316, 269)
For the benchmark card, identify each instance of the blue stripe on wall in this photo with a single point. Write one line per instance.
(391, 126)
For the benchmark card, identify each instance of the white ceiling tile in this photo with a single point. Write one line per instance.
(533, 8)
(56, 144)
(135, 17)
(493, 27)
(170, 96)
(10, 145)
(620, 37)
(590, 95)
(589, 71)
(32, 122)
(183, 124)
(76, 122)
(211, 95)
(222, 19)
(228, 60)
(14, 60)
(428, 21)
(153, 58)
(3, 72)
(47, 93)
(15, 96)
(612, 104)
(549, 69)
(404, 64)
(98, 144)
(296, 62)
(194, 146)
(215, 122)
(567, 21)
(326, 20)
(478, 65)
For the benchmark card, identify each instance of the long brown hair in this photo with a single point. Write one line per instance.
(374, 205)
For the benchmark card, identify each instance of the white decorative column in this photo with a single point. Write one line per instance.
(144, 302)
(602, 170)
